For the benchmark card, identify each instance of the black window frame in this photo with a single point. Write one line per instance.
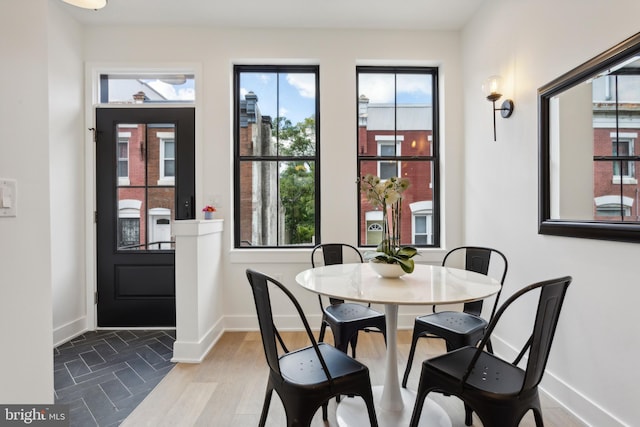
(434, 158)
(238, 69)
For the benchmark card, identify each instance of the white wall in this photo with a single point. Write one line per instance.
(592, 367)
(26, 363)
(67, 156)
(337, 53)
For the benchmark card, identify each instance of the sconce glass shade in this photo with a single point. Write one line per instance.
(492, 88)
(88, 4)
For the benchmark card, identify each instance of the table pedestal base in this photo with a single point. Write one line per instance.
(352, 412)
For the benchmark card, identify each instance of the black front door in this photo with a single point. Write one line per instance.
(145, 179)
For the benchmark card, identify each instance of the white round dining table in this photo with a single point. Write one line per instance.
(427, 285)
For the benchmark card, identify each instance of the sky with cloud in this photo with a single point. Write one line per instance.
(297, 93)
(409, 88)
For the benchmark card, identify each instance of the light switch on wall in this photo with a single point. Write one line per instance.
(8, 197)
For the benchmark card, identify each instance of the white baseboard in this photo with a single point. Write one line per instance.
(579, 405)
(285, 323)
(195, 351)
(67, 332)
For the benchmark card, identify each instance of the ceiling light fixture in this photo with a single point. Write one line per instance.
(492, 89)
(88, 4)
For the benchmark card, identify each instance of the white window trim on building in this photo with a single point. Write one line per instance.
(165, 137)
(613, 202)
(121, 136)
(422, 208)
(384, 140)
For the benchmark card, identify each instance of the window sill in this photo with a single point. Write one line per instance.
(303, 256)
(625, 180)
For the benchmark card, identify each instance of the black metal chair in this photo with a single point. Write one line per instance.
(460, 329)
(500, 392)
(345, 318)
(307, 378)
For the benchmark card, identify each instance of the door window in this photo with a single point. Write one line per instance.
(150, 186)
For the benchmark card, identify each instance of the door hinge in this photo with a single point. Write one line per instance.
(95, 297)
(95, 217)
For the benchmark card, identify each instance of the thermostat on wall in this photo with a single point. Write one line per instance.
(8, 200)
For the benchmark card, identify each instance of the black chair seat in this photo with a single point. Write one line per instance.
(491, 374)
(452, 322)
(304, 368)
(349, 312)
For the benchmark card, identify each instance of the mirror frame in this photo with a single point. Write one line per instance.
(590, 229)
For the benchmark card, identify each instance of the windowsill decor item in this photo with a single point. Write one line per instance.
(208, 211)
(387, 195)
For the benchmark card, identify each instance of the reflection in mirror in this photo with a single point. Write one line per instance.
(589, 148)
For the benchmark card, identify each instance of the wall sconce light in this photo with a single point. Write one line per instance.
(88, 4)
(492, 89)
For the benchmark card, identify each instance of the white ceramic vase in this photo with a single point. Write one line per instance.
(387, 270)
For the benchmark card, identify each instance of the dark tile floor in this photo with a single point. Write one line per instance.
(104, 375)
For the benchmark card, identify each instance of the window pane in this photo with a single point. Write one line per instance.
(281, 209)
(169, 168)
(417, 200)
(169, 150)
(387, 170)
(259, 207)
(160, 213)
(123, 169)
(376, 110)
(615, 197)
(131, 220)
(387, 149)
(146, 88)
(297, 195)
(421, 240)
(123, 157)
(297, 113)
(258, 111)
(415, 114)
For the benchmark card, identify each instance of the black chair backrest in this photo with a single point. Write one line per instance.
(262, 300)
(478, 260)
(260, 285)
(552, 293)
(334, 253)
(550, 302)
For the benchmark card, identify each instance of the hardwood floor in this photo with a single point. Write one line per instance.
(227, 388)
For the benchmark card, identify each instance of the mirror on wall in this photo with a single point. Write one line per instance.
(589, 129)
